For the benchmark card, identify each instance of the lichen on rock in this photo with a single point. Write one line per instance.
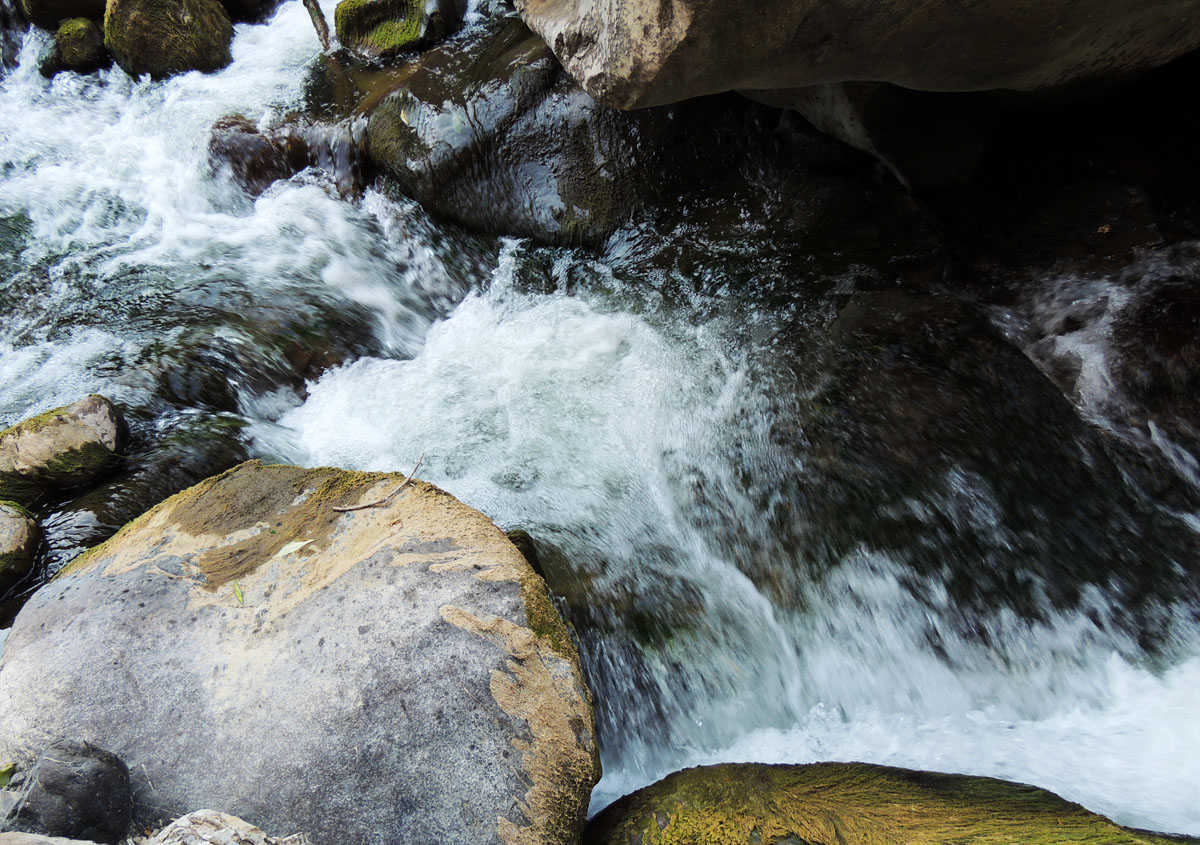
(849, 804)
(431, 663)
(383, 29)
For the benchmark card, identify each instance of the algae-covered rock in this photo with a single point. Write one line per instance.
(48, 14)
(382, 29)
(258, 644)
(848, 804)
(63, 447)
(78, 46)
(491, 134)
(164, 37)
(18, 542)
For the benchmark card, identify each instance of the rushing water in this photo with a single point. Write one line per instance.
(778, 538)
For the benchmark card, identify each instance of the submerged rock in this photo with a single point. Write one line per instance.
(848, 804)
(492, 135)
(382, 29)
(78, 46)
(256, 159)
(75, 790)
(165, 37)
(18, 542)
(208, 826)
(440, 697)
(635, 53)
(64, 447)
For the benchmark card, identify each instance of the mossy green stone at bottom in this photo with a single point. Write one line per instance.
(849, 804)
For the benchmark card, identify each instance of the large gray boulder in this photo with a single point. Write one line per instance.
(633, 53)
(850, 804)
(391, 674)
(64, 447)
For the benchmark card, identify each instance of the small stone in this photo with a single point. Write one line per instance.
(65, 447)
(18, 542)
(208, 826)
(78, 46)
(76, 790)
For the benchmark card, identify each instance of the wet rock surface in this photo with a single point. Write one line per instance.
(18, 541)
(75, 790)
(271, 579)
(492, 135)
(850, 804)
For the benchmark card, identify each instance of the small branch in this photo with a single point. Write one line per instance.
(318, 20)
(389, 496)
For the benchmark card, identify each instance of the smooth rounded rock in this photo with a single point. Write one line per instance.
(318, 652)
(18, 543)
(634, 53)
(64, 447)
(383, 29)
(848, 804)
(78, 46)
(75, 790)
(165, 37)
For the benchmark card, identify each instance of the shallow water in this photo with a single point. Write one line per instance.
(780, 536)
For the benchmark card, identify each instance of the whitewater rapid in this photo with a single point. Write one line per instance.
(623, 432)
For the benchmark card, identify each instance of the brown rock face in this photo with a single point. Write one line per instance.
(633, 53)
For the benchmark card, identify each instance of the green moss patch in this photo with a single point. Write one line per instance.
(380, 28)
(848, 804)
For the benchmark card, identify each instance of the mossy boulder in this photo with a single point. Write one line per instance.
(165, 37)
(78, 46)
(18, 542)
(318, 650)
(491, 134)
(848, 804)
(64, 447)
(48, 14)
(383, 29)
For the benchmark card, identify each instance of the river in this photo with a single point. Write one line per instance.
(749, 579)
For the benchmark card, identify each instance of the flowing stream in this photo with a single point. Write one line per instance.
(697, 456)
